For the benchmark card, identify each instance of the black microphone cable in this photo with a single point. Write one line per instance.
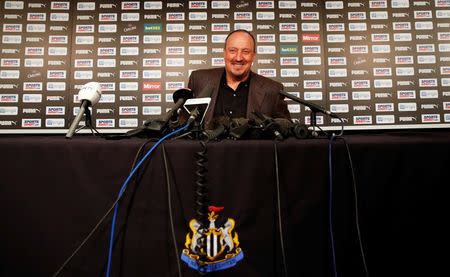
(355, 193)
(169, 205)
(98, 224)
(280, 224)
(340, 134)
(123, 188)
(356, 203)
(332, 138)
(330, 204)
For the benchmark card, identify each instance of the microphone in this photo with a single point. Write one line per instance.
(215, 133)
(312, 106)
(268, 124)
(239, 127)
(154, 128)
(288, 129)
(221, 125)
(179, 98)
(89, 95)
(196, 107)
(192, 116)
(284, 126)
(300, 131)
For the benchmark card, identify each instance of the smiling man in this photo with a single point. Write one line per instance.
(236, 91)
(239, 54)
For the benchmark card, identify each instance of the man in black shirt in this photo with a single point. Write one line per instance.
(236, 91)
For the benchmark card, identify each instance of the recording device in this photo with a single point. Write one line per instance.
(312, 106)
(89, 95)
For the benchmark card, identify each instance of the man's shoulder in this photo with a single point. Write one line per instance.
(264, 81)
(208, 72)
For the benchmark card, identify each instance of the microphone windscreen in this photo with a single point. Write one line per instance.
(91, 92)
(300, 131)
(182, 93)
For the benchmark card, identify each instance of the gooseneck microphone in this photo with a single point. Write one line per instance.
(89, 95)
(312, 106)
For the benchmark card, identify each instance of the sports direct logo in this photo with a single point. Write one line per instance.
(311, 49)
(288, 27)
(130, 5)
(427, 82)
(265, 4)
(105, 123)
(266, 37)
(339, 95)
(36, 16)
(30, 123)
(310, 16)
(360, 83)
(425, 48)
(107, 17)
(384, 107)
(9, 98)
(55, 111)
(362, 119)
(431, 118)
(27, 86)
(337, 61)
(60, 5)
(132, 110)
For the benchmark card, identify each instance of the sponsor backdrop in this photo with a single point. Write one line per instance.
(378, 63)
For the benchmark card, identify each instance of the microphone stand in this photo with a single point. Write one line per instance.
(313, 122)
(314, 110)
(195, 126)
(88, 122)
(194, 133)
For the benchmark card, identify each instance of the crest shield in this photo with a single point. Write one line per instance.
(212, 249)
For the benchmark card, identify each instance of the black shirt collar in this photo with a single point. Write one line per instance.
(246, 83)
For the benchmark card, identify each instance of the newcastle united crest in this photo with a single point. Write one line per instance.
(210, 248)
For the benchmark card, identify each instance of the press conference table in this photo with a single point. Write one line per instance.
(53, 191)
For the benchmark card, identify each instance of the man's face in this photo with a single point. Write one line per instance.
(239, 54)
